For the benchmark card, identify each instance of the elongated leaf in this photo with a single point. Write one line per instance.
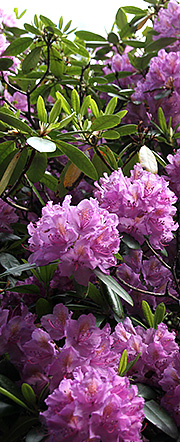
(127, 129)
(111, 135)
(113, 284)
(5, 149)
(41, 110)
(85, 105)
(66, 121)
(148, 313)
(79, 159)
(162, 120)
(25, 288)
(95, 294)
(131, 364)
(105, 122)
(37, 167)
(75, 101)
(15, 122)
(22, 425)
(111, 106)
(21, 268)
(55, 111)
(18, 46)
(81, 50)
(130, 242)
(35, 435)
(94, 108)
(159, 314)
(41, 144)
(145, 391)
(31, 60)
(8, 173)
(115, 303)
(121, 19)
(160, 44)
(160, 418)
(5, 64)
(89, 36)
(32, 29)
(134, 10)
(49, 181)
(28, 394)
(122, 363)
(65, 104)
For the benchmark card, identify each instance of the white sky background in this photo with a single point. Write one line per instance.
(90, 15)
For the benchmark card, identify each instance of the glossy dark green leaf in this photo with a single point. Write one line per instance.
(28, 393)
(113, 284)
(35, 435)
(148, 314)
(49, 181)
(100, 166)
(18, 269)
(19, 167)
(145, 391)
(5, 64)
(122, 363)
(31, 60)
(113, 38)
(159, 314)
(121, 18)
(127, 129)
(115, 303)
(9, 171)
(130, 242)
(25, 288)
(105, 122)
(134, 43)
(14, 122)
(56, 64)
(32, 29)
(79, 159)
(11, 391)
(43, 307)
(37, 167)
(5, 149)
(18, 46)
(160, 418)
(95, 294)
(89, 36)
(160, 44)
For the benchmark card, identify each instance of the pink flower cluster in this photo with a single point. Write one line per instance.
(173, 171)
(167, 23)
(143, 203)
(87, 398)
(82, 237)
(8, 216)
(162, 78)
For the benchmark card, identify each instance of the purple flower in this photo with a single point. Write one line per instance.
(8, 216)
(82, 237)
(143, 203)
(55, 323)
(167, 23)
(173, 171)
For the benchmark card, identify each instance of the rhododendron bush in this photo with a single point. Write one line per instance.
(89, 228)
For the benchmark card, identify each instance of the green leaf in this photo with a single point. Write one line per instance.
(37, 167)
(35, 435)
(18, 46)
(19, 167)
(89, 36)
(160, 44)
(47, 21)
(66, 121)
(134, 10)
(67, 26)
(41, 110)
(145, 391)
(122, 363)
(115, 303)
(43, 307)
(46, 273)
(127, 129)
(113, 38)
(75, 49)
(5, 149)
(113, 284)
(41, 144)
(104, 122)
(10, 390)
(159, 314)
(15, 122)
(131, 364)
(100, 166)
(111, 106)
(32, 29)
(30, 62)
(121, 19)
(148, 313)
(108, 155)
(5, 64)
(8, 172)
(65, 104)
(85, 105)
(111, 135)
(130, 242)
(95, 294)
(162, 120)
(28, 394)
(79, 159)
(18, 269)
(160, 418)
(49, 181)
(75, 101)
(55, 111)
(94, 108)
(25, 288)
(134, 43)
(56, 64)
